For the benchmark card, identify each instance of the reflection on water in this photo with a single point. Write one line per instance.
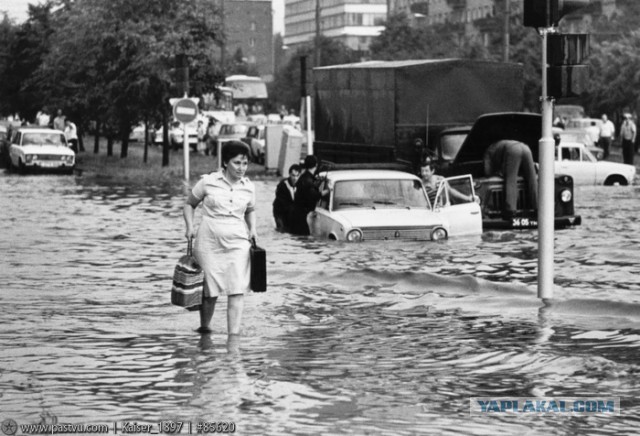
(374, 338)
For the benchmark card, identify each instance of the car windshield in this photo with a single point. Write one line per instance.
(451, 143)
(375, 194)
(43, 138)
(229, 129)
(253, 132)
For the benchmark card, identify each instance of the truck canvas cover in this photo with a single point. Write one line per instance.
(370, 102)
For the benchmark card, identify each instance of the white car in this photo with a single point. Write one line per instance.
(391, 205)
(256, 140)
(40, 148)
(176, 135)
(575, 160)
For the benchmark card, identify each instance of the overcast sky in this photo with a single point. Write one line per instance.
(17, 9)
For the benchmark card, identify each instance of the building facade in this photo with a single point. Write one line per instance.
(249, 27)
(353, 22)
(357, 22)
(445, 11)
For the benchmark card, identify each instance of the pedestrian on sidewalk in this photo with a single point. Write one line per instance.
(628, 135)
(607, 134)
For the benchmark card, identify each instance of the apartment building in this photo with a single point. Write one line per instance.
(357, 22)
(353, 22)
(249, 27)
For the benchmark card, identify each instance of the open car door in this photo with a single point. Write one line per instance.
(456, 199)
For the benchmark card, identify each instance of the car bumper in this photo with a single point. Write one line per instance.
(528, 222)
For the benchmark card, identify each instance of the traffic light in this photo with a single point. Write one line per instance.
(566, 76)
(547, 13)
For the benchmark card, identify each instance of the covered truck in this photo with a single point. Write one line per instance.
(393, 111)
(403, 111)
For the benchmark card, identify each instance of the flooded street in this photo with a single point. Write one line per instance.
(372, 338)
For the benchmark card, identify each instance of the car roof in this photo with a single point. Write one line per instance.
(34, 129)
(340, 175)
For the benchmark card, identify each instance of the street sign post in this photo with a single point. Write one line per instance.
(185, 110)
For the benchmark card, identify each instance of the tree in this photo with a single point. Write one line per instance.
(112, 58)
(28, 43)
(286, 84)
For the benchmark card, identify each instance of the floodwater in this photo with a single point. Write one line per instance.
(373, 338)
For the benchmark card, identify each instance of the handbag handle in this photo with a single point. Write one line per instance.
(190, 247)
(253, 242)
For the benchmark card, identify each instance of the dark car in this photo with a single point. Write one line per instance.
(523, 127)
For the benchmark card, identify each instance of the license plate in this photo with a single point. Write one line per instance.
(49, 164)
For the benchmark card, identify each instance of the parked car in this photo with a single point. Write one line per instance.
(582, 137)
(40, 148)
(368, 205)
(575, 160)
(137, 133)
(256, 139)
(230, 132)
(4, 143)
(176, 135)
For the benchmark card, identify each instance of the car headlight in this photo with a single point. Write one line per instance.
(438, 234)
(354, 235)
(565, 195)
(30, 157)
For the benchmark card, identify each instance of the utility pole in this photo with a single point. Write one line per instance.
(222, 45)
(506, 38)
(317, 38)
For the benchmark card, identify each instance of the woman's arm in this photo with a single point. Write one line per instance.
(188, 212)
(250, 219)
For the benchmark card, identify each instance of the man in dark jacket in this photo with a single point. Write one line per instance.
(306, 197)
(283, 204)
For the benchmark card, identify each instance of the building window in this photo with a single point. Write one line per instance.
(252, 42)
(253, 25)
(251, 59)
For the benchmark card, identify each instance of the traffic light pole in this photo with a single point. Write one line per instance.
(546, 180)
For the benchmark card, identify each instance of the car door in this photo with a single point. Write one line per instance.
(570, 162)
(456, 201)
(318, 220)
(14, 149)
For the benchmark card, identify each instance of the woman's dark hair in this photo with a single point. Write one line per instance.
(428, 162)
(232, 149)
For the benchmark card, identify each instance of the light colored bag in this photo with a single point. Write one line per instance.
(188, 280)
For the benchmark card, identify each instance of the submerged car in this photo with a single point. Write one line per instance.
(40, 148)
(368, 205)
(577, 161)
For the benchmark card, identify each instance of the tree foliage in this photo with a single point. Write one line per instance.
(286, 85)
(111, 60)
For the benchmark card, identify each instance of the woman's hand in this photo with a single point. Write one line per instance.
(190, 233)
(253, 235)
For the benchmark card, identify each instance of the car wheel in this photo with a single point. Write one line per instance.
(21, 167)
(615, 180)
(261, 159)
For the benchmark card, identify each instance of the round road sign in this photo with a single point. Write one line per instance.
(185, 110)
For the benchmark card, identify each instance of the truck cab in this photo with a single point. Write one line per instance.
(488, 129)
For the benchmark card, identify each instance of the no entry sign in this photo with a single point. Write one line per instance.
(185, 110)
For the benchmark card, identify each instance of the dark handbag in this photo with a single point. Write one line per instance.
(258, 257)
(188, 280)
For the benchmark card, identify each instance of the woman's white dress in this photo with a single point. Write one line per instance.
(222, 241)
